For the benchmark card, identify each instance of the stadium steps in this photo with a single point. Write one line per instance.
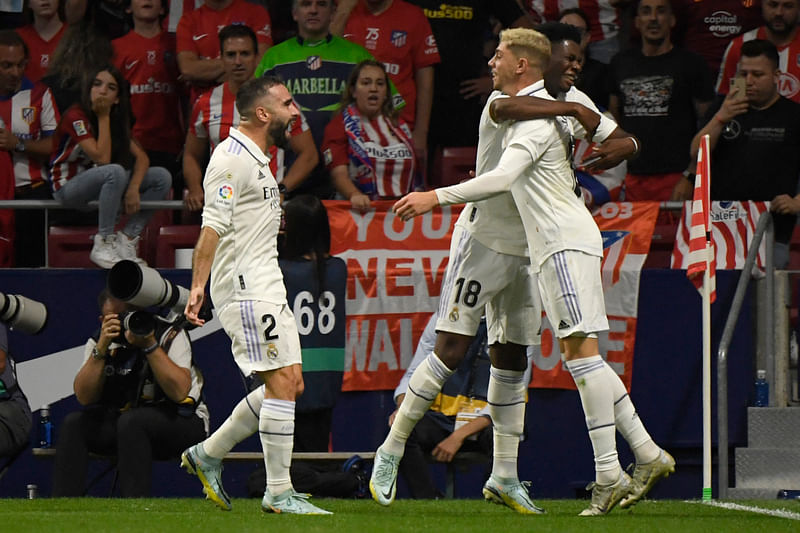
(771, 461)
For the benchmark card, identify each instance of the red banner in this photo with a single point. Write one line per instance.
(395, 270)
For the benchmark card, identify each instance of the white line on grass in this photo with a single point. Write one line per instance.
(780, 513)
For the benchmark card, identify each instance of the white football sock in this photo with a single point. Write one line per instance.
(598, 407)
(242, 423)
(628, 422)
(506, 397)
(276, 429)
(423, 387)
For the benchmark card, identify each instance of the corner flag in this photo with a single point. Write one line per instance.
(702, 257)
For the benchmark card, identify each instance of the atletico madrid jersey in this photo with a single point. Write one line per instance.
(603, 16)
(30, 114)
(68, 158)
(149, 66)
(400, 38)
(40, 52)
(198, 29)
(215, 113)
(788, 63)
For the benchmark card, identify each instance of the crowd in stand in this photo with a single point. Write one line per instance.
(116, 100)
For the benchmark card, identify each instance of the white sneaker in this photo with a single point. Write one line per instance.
(383, 482)
(127, 248)
(104, 252)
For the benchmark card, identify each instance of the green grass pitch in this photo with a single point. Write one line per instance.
(92, 515)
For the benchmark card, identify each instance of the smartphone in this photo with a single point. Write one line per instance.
(739, 84)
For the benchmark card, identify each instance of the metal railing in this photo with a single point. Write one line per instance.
(47, 205)
(763, 228)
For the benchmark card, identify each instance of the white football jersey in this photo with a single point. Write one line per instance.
(242, 204)
(494, 222)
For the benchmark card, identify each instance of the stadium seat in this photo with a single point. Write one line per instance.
(171, 238)
(452, 165)
(69, 246)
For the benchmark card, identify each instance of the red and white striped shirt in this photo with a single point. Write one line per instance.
(40, 52)
(31, 114)
(150, 67)
(390, 151)
(603, 16)
(69, 159)
(788, 63)
(215, 113)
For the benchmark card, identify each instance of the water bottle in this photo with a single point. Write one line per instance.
(45, 428)
(762, 389)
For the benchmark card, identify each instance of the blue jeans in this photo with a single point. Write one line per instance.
(107, 185)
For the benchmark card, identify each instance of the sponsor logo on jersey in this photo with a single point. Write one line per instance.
(315, 86)
(152, 86)
(447, 11)
(313, 62)
(80, 127)
(399, 38)
(723, 24)
(29, 115)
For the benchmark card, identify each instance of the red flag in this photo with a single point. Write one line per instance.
(700, 233)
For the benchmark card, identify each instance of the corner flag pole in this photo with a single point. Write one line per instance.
(706, 299)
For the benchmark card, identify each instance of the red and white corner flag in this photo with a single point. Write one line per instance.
(702, 255)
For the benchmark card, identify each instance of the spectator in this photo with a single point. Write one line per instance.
(604, 21)
(707, 27)
(780, 28)
(198, 48)
(95, 158)
(399, 36)
(461, 80)
(754, 139)
(15, 413)
(146, 57)
(28, 119)
(41, 36)
(107, 17)
(315, 66)
(593, 78)
(142, 399)
(214, 114)
(81, 50)
(370, 156)
(658, 92)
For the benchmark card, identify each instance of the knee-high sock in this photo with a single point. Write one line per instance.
(242, 423)
(592, 381)
(276, 429)
(423, 387)
(506, 396)
(628, 422)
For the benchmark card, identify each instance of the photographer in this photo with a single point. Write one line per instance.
(143, 398)
(15, 413)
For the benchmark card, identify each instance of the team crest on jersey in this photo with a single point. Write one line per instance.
(399, 38)
(454, 315)
(44, 60)
(327, 155)
(29, 115)
(313, 62)
(151, 57)
(272, 351)
(80, 127)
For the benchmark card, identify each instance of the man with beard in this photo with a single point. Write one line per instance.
(780, 28)
(214, 114)
(658, 92)
(238, 248)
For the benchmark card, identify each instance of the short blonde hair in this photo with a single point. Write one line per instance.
(527, 43)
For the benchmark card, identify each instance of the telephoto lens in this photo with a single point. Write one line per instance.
(140, 323)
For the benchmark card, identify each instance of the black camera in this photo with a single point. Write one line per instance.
(140, 323)
(23, 314)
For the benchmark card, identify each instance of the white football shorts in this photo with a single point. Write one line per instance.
(479, 277)
(571, 288)
(263, 335)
